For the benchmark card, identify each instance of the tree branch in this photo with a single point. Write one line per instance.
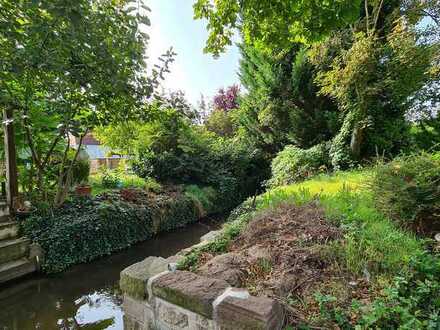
(376, 19)
(51, 149)
(367, 14)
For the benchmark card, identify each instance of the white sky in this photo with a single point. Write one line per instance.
(193, 71)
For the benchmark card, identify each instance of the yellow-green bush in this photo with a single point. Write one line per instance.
(408, 190)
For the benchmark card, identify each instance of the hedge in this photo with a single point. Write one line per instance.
(85, 229)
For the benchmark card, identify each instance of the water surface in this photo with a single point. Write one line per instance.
(86, 296)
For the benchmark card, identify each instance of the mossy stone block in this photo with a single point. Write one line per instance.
(189, 291)
(134, 279)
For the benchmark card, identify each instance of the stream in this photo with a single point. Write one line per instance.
(86, 296)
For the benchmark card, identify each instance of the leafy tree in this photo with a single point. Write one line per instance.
(221, 123)
(163, 129)
(78, 62)
(274, 24)
(424, 114)
(178, 101)
(225, 103)
(226, 100)
(372, 77)
(282, 105)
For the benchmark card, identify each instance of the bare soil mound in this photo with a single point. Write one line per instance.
(283, 253)
(291, 236)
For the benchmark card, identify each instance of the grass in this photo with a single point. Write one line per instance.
(125, 181)
(322, 185)
(373, 244)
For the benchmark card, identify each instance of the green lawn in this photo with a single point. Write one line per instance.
(373, 242)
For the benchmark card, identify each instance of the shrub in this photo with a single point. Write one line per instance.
(408, 190)
(294, 164)
(426, 137)
(85, 229)
(110, 179)
(233, 169)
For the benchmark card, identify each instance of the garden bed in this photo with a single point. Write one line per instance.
(87, 228)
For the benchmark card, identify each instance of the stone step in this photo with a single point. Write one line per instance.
(5, 218)
(16, 268)
(4, 209)
(8, 230)
(14, 249)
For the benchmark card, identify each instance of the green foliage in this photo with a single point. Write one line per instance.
(85, 229)
(81, 171)
(204, 198)
(352, 71)
(221, 123)
(408, 190)
(276, 24)
(107, 180)
(412, 302)
(66, 67)
(426, 135)
(372, 243)
(110, 179)
(186, 154)
(294, 164)
(282, 105)
(328, 311)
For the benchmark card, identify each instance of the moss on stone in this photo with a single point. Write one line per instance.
(189, 291)
(134, 279)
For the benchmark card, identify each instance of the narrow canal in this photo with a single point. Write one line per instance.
(86, 296)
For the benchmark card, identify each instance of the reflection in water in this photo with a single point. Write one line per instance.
(87, 296)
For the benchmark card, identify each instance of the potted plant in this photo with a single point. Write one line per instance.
(83, 190)
(81, 172)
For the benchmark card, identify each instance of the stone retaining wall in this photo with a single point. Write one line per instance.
(160, 299)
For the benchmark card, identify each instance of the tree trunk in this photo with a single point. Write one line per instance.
(10, 157)
(65, 176)
(357, 138)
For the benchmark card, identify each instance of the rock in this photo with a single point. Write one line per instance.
(228, 267)
(189, 291)
(174, 259)
(211, 236)
(134, 279)
(252, 313)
